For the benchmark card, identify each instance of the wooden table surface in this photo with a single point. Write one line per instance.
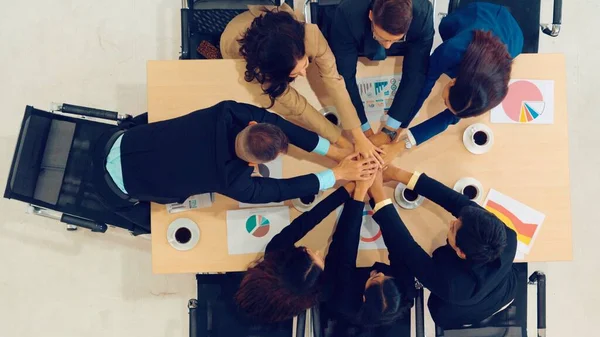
(527, 162)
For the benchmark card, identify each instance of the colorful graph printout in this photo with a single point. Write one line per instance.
(527, 101)
(250, 230)
(524, 220)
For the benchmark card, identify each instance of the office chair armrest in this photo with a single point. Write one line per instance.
(315, 314)
(314, 11)
(554, 28)
(85, 223)
(90, 112)
(419, 312)
(192, 308)
(539, 278)
(185, 42)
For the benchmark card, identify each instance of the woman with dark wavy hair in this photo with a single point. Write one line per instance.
(480, 42)
(289, 279)
(277, 49)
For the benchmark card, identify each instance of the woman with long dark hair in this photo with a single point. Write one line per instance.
(277, 49)
(480, 42)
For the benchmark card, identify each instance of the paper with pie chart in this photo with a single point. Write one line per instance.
(524, 220)
(527, 102)
(370, 233)
(250, 230)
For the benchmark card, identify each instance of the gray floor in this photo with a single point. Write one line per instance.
(58, 283)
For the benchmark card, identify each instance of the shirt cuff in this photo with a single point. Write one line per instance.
(381, 204)
(326, 179)
(411, 138)
(322, 146)
(365, 127)
(413, 180)
(392, 123)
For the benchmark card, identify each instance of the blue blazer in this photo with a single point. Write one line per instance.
(456, 31)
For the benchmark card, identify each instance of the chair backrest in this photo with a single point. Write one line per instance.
(217, 314)
(510, 322)
(526, 12)
(52, 166)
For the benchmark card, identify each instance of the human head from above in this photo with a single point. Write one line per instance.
(273, 48)
(382, 301)
(390, 20)
(482, 79)
(477, 235)
(260, 143)
(281, 285)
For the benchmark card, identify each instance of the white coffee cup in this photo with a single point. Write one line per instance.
(306, 203)
(406, 198)
(478, 138)
(183, 234)
(471, 188)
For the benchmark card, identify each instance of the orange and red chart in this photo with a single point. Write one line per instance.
(524, 102)
(525, 231)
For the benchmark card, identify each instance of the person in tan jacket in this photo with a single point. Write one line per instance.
(278, 48)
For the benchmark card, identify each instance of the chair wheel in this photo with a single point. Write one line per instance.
(71, 227)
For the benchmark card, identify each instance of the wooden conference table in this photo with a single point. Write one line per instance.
(527, 162)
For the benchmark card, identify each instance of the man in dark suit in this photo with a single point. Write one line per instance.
(213, 150)
(379, 28)
(472, 276)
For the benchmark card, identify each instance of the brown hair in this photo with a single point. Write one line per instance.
(393, 16)
(482, 80)
(265, 141)
(280, 286)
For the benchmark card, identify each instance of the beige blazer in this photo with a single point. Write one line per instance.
(319, 53)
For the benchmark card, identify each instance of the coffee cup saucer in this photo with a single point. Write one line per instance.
(468, 138)
(302, 207)
(403, 203)
(466, 181)
(183, 223)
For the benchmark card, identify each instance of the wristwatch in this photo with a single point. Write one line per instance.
(390, 133)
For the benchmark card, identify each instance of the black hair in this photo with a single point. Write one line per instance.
(482, 79)
(383, 305)
(272, 47)
(265, 141)
(481, 236)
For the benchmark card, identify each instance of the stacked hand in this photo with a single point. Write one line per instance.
(355, 168)
(366, 149)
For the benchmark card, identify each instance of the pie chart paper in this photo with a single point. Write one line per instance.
(250, 230)
(370, 233)
(527, 102)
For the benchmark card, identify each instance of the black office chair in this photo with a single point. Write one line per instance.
(52, 170)
(205, 21)
(324, 325)
(527, 14)
(215, 314)
(512, 321)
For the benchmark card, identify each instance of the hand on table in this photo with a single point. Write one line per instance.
(355, 168)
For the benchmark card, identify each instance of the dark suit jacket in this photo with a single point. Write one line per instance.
(351, 36)
(461, 292)
(169, 161)
(347, 282)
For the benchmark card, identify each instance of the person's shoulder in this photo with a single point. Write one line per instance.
(353, 9)
(422, 10)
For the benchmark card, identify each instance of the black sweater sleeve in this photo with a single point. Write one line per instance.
(442, 195)
(243, 114)
(307, 221)
(403, 248)
(258, 190)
